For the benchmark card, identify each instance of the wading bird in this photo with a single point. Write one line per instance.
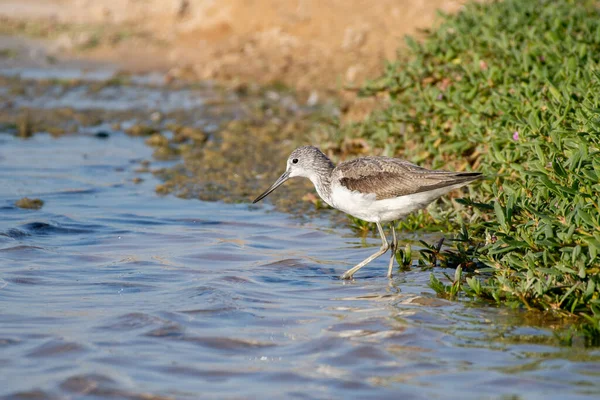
(374, 189)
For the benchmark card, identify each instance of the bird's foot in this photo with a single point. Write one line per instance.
(346, 275)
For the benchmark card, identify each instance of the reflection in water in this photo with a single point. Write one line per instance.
(112, 291)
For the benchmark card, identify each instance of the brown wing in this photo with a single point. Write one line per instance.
(392, 177)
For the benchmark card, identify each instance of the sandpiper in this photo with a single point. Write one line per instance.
(374, 189)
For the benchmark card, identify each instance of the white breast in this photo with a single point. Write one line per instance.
(367, 208)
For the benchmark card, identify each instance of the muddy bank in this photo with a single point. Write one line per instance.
(209, 142)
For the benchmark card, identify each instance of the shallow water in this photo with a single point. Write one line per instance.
(111, 291)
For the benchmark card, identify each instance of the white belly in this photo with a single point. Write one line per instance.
(367, 208)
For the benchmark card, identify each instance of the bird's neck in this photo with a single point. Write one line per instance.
(321, 178)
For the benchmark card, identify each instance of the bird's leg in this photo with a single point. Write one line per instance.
(384, 247)
(394, 247)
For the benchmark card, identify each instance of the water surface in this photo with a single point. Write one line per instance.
(112, 291)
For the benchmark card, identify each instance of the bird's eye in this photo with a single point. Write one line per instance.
(295, 161)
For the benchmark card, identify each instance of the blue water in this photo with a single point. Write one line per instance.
(112, 291)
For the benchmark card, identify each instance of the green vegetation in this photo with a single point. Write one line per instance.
(511, 89)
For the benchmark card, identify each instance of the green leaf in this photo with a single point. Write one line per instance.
(586, 217)
(554, 92)
(558, 168)
(500, 215)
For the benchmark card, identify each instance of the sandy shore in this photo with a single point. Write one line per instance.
(306, 44)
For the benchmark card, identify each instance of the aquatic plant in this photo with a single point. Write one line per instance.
(32, 204)
(511, 89)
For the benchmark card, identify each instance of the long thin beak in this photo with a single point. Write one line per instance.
(284, 177)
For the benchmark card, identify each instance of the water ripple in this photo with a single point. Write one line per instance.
(15, 233)
(56, 348)
(44, 228)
